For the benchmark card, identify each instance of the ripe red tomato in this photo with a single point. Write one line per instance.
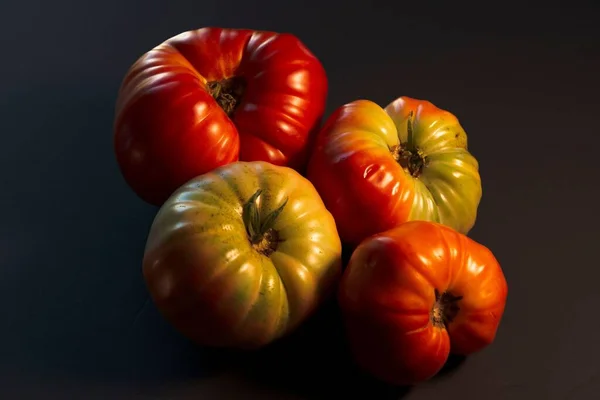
(378, 167)
(212, 96)
(242, 255)
(415, 293)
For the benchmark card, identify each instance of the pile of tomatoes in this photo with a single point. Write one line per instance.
(221, 128)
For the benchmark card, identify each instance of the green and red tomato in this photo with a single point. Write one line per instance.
(241, 256)
(376, 168)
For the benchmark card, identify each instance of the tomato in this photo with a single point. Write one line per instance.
(240, 256)
(415, 293)
(376, 168)
(212, 96)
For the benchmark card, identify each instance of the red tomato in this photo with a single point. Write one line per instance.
(415, 293)
(208, 97)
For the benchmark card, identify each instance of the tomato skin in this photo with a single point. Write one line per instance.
(388, 299)
(169, 128)
(213, 285)
(355, 168)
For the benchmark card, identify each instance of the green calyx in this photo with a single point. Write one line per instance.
(408, 155)
(261, 234)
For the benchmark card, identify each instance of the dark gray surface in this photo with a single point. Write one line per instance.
(75, 320)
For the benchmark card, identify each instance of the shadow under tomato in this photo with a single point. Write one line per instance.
(315, 363)
(453, 363)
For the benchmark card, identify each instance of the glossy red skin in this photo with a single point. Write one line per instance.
(169, 129)
(387, 294)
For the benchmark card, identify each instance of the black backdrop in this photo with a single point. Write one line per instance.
(75, 320)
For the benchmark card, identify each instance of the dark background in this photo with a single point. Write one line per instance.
(75, 319)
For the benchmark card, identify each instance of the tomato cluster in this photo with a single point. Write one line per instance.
(221, 128)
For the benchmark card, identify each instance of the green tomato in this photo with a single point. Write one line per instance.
(242, 255)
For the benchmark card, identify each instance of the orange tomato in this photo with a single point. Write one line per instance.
(415, 293)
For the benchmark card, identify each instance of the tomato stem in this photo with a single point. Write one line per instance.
(413, 161)
(228, 93)
(261, 234)
(410, 132)
(445, 309)
(407, 154)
